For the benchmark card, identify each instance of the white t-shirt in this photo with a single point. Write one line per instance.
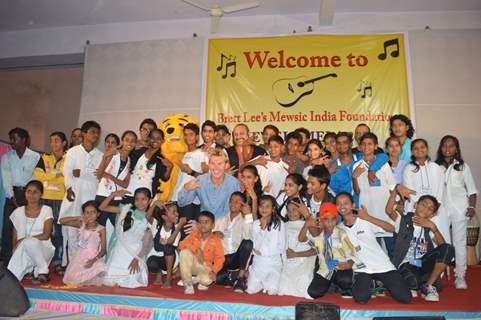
(418, 241)
(274, 173)
(369, 253)
(375, 196)
(107, 186)
(194, 159)
(428, 180)
(142, 176)
(163, 236)
(234, 231)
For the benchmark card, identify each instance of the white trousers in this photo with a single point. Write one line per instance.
(31, 255)
(70, 239)
(459, 234)
(264, 275)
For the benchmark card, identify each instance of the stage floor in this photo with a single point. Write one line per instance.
(155, 302)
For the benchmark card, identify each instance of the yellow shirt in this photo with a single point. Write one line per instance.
(49, 172)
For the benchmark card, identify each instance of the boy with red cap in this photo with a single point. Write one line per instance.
(335, 252)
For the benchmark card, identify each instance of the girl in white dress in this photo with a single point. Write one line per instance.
(460, 199)
(128, 249)
(269, 239)
(426, 178)
(32, 248)
(300, 258)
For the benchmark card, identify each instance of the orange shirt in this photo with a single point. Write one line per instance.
(213, 251)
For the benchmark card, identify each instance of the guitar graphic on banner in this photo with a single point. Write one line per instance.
(289, 91)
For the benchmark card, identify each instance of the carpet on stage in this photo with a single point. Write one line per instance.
(457, 303)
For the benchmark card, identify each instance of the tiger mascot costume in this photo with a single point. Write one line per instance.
(173, 149)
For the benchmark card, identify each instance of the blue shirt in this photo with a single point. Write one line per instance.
(213, 199)
(17, 172)
(341, 180)
(406, 150)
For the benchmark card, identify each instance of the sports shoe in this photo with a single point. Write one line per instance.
(460, 283)
(202, 287)
(429, 293)
(346, 294)
(414, 293)
(189, 288)
(379, 290)
(180, 283)
(240, 285)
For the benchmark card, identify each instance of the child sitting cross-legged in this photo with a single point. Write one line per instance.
(201, 254)
(234, 230)
(420, 252)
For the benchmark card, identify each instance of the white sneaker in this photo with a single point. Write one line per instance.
(180, 283)
(460, 283)
(189, 289)
(202, 287)
(430, 293)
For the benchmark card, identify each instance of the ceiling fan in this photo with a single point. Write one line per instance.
(216, 11)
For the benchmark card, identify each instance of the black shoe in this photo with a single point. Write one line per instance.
(240, 285)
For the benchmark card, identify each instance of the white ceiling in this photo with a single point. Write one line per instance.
(29, 14)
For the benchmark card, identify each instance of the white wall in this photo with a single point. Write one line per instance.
(69, 40)
(447, 89)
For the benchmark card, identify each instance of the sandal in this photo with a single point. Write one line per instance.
(28, 276)
(43, 278)
(60, 270)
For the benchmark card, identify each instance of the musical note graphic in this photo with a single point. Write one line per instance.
(394, 52)
(366, 88)
(229, 64)
(289, 91)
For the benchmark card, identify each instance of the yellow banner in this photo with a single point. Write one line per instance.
(321, 82)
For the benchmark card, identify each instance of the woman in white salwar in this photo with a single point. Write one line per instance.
(300, 258)
(460, 200)
(269, 238)
(426, 177)
(132, 241)
(32, 248)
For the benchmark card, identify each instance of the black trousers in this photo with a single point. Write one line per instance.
(320, 285)
(415, 276)
(7, 229)
(235, 261)
(156, 264)
(392, 280)
(104, 216)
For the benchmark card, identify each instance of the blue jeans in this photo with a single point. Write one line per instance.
(57, 238)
